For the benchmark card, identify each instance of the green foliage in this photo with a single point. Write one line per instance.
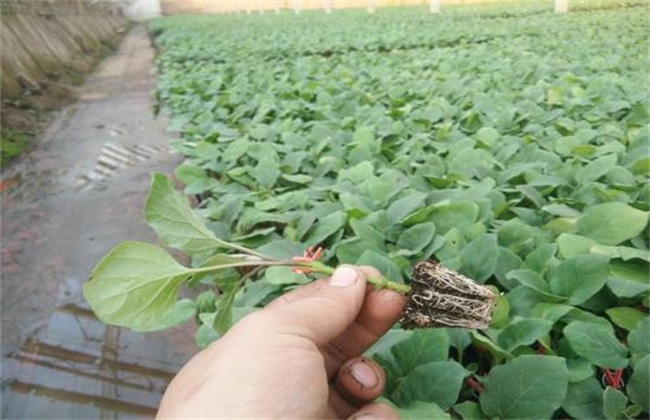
(515, 152)
(526, 387)
(12, 144)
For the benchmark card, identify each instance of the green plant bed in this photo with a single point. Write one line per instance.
(509, 144)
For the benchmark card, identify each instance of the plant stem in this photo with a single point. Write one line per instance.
(262, 263)
(245, 250)
(312, 266)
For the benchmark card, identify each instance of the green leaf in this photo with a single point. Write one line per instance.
(381, 263)
(224, 318)
(541, 258)
(358, 173)
(266, 172)
(282, 249)
(584, 400)
(134, 286)
(623, 252)
(628, 279)
(326, 227)
(612, 223)
(354, 205)
(551, 311)
(422, 347)
(638, 387)
(580, 277)
(417, 237)
(368, 234)
(534, 281)
(484, 342)
(418, 410)
(438, 382)
(523, 332)
(596, 344)
(488, 136)
(571, 245)
(501, 313)
(469, 410)
(595, 169)
(403, 207)
(169, 214)
(480, 257)
(298, 178)
(625, 317)
(639, 338)
(205, 335)
(182, 311)
(455, 214)
(283, 276)
(579, 369)
(525, 387)
(614, 402)
(383, 346)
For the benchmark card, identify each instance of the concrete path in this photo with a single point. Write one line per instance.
(78, 194)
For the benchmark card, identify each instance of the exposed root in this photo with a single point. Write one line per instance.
(441, 297)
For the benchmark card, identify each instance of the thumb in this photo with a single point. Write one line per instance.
(326, 312)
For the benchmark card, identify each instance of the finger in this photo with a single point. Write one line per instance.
(358, 382)
(327, 312)
(380, 310)
(375, 411)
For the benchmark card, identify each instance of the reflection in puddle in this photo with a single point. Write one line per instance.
(77, 367)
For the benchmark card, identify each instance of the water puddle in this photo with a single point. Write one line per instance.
(74, 366)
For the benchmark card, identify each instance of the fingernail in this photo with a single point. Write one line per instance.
(344, 276)
(364, 374)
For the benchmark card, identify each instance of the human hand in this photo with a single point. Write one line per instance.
(299, 357)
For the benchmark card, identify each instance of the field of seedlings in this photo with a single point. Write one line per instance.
(511, 145)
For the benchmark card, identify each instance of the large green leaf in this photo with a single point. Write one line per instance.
(628, 278)
(584, 400)
(438, 382)
(638, 387)
(422, 347)
(326, 227)
(480, 257)
(456, 214)
(612, 223)
(418, 410)
(525, 387)
(639, 338)
(534, 281)
(169, 214)
(266, 172)
(417, 237)
(134, 286)
(597, 344)
(580, 277)
(469, 410)
(626, 317)
(614, 402)
(401, 208)
(595, 169)
(523, 332)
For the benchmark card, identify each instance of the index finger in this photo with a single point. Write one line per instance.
(380, 310)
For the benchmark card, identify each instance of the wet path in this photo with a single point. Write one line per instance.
(64, 206)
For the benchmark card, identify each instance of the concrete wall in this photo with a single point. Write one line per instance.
(140, 10)
(41, 39)
(172, 7)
